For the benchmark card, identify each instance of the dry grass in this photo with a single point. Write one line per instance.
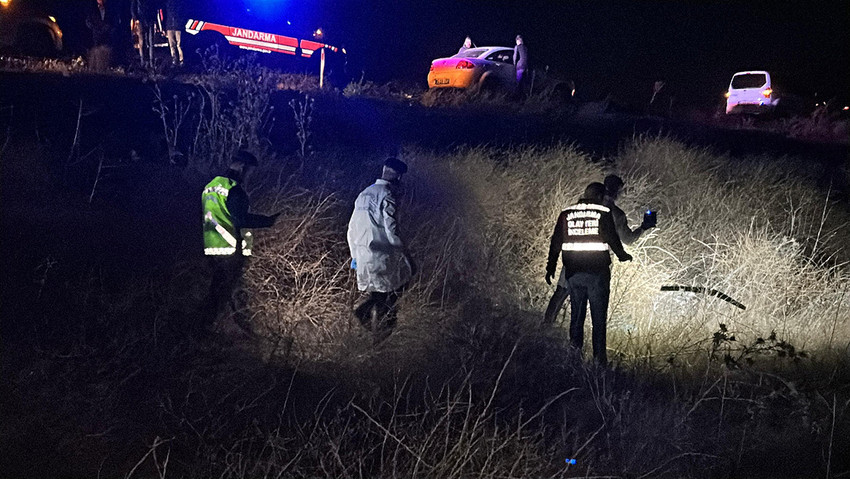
(469, 384)
(479, 219)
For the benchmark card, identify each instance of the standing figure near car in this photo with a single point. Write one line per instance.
(467, 44)
(173, 28)
(102, 20)
(520, 62)
(584, 234)
(378, 253)
(144, 16)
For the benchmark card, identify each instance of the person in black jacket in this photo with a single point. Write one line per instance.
(613, 187)
(103, 21)
(584, 234)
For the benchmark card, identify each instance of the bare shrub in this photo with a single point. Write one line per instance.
(228, 111)
(298, 279)
(479, 222)
(303, 113)
(823, 124)
(507, 202)
(745, 228)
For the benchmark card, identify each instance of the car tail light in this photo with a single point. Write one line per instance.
(767, 93)
(432, 67)
(464, 65)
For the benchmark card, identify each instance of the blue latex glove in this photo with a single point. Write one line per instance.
(353, 264)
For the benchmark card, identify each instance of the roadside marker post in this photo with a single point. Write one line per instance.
(322, 70)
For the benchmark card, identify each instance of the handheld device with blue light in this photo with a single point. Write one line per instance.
(650, 219)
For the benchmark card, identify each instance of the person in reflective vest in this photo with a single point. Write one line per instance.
(584, 236)
(225, 215)
(378, 253)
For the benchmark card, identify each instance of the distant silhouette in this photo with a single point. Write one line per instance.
(173, 28)
(467, 44)
(521, 63)
(102, 20)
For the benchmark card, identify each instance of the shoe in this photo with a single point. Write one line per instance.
(380, 336)
(243, 323)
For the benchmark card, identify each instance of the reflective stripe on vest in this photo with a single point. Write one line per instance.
(246, 243)
(584, 246)
(246, 250)
(590, 206)
(219, 251)
(217, 189)
(221, 230)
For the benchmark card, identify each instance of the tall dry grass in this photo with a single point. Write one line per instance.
(750, 228)
(478, 221)
(470, 384)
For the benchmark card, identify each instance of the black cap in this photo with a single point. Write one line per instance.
(244, 157)
(397, 165)
(612, 183)
(594, 191)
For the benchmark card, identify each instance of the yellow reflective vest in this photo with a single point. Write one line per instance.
(220, 234)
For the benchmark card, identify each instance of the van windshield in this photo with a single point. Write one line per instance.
(751, 80)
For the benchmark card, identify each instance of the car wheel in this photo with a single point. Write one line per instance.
(490, 83)
(36, 41)
(562, 93)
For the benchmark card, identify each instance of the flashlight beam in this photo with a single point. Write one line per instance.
(703, 290)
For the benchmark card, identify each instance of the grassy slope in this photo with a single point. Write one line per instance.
(105, 359)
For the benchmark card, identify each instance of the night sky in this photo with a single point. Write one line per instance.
(620, 47)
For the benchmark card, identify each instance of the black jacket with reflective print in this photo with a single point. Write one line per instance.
(583, 235)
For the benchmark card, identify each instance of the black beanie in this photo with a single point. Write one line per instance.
(397, 165)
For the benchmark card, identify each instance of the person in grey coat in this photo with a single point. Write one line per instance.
(378, 253)
(520, 60)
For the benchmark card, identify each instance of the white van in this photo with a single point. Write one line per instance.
(750, 92)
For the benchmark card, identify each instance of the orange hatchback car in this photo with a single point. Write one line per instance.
(485, 66)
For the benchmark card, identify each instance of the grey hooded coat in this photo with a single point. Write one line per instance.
(374, 241)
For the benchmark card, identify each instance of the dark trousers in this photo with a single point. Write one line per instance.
(595, 288)
(378, 313)
(555, 304)
(225, 273)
